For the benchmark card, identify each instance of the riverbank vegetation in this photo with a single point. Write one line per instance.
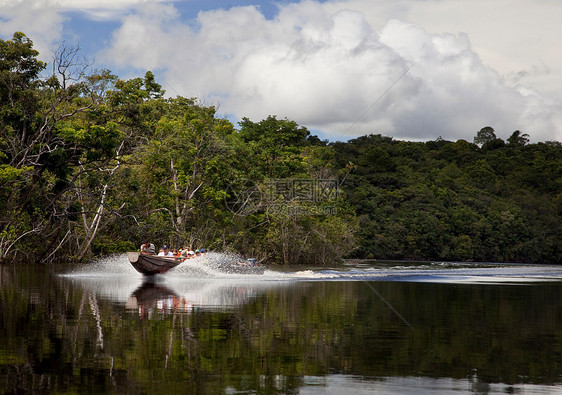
(498, 201)
(92, 164)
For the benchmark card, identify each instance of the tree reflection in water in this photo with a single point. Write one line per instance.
(178, 334)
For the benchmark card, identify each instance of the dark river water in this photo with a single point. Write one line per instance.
(364, 328)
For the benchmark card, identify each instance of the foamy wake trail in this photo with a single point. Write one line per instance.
(212, 265)
(107, 266)
(313, 275)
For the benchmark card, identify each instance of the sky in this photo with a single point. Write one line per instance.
(411, 69)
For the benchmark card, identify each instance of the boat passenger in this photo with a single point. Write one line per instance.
(177, 255)
(166, 252)
(148, 248)
(242, 261)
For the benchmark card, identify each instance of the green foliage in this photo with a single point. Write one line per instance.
(518, 139)
(485, 135)
(93, 164)
(19, 94)
(9, 174)
(276, 145)
(454, 201)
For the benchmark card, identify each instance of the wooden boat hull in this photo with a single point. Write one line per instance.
(149, 265)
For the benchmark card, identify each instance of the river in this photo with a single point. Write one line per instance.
(362, 328)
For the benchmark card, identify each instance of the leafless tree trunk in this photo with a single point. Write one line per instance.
(91, 225)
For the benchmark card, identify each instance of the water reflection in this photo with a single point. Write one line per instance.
(103, 328)
(341, 384)
(150, 296)
(188, 295)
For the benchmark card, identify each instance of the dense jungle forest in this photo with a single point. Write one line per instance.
(91, 164)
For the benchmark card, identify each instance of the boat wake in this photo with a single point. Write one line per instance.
(198, 283)
(437, 272)
(202, 282)
(215, 266)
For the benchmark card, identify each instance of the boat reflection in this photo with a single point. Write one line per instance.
(151, 296)
(186, 296)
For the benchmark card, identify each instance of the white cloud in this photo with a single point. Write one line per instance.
(80, 5)
(518, 38)
(330, 69)
(146, 38)
(341, 67)
(42, 24)
(43, 20)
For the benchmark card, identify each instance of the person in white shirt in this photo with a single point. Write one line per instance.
(166, 252)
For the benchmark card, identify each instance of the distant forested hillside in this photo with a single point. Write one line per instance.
(92, 164)
(495, 201)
